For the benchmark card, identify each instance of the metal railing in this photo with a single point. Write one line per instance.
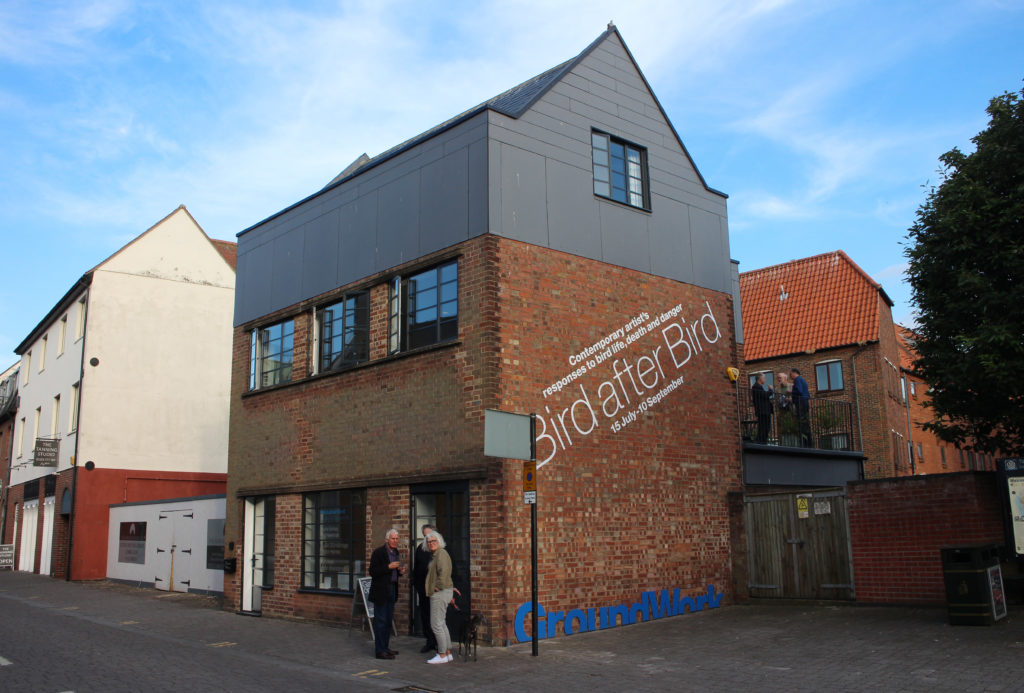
(823, 424)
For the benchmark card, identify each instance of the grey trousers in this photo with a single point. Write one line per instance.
(438, 610)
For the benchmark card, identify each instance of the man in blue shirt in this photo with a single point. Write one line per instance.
(802, 405)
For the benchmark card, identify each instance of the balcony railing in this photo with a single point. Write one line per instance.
(823, 424)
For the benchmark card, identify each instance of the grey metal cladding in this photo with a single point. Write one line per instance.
(429, 197)
(286, 274)
(625, 237)
(398, 232)
(357, 250)
(670, 232)
(573, 222)
(523, 208)
(320, 254)
(706, 245)
(444, 203)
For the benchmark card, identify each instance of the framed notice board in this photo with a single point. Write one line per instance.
(1011, 478)
(364, 599)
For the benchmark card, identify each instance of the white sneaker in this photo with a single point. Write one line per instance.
(438, 659)
(448, 658)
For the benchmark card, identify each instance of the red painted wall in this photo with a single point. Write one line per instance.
(98, 489)
(899, 526)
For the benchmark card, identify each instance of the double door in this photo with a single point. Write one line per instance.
(176, 533)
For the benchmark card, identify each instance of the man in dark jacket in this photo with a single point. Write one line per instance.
(385, 568)
(419, 581)
(802, 404)
(762, 400)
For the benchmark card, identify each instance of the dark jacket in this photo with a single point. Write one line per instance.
(762, 398)
(380, 587)
(419, 570)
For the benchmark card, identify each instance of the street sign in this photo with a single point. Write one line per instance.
(530, 482)
(508, 435)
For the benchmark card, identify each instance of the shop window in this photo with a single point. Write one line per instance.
(830, 375)
(424, 308)
(620, 170)
(344, 332)
(333, 540)
(271, 355)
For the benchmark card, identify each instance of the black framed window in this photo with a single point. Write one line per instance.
(333, 539)
(424, 308)
(830, 375)
(620, 170)
(344, 329)
(272, 352)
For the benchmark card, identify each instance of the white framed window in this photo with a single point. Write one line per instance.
(769, 378)
(21, 437)
(55, 419)
(80, 323)
(62, 334)
(35, 425)
(28, 366)
(73, 410)
(42, 352)
(830, 375)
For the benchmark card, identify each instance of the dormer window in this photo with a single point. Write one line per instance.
(620, 171)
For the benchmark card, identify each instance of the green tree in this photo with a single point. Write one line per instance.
(966, 253)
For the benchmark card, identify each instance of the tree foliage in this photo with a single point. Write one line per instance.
(966, 264)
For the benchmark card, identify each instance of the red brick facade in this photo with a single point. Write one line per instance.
(899, 526)
(626, 504)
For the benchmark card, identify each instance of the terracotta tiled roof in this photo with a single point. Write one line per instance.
(228, 250)
(907, 341)
(819, 302)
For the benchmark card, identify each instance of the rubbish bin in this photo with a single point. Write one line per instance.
(974, 585)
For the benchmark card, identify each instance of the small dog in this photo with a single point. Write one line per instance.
(468, 634)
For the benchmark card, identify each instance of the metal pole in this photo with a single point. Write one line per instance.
(533, 540)
(533, 570)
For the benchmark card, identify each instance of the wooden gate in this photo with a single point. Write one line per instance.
(798, 545)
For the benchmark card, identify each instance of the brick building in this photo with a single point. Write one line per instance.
(551, 251)
(928, 454)
(123, 397)
(8, 410)
(825, 316)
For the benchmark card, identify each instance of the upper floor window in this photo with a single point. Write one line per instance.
(42, 353)
(424, 308)
(80, 324)
(830, 375)
(620, 170)
(62, 334)
(769, 378)
(344, 332)
(272, 351)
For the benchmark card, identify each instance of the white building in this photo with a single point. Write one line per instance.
(124, 391)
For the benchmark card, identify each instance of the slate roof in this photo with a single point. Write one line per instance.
(820, 302)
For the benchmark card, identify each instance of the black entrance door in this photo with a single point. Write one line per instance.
(446, 507)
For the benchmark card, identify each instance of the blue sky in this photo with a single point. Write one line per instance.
(822, 121)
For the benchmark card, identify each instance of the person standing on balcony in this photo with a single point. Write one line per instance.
(802, 405)
(783, 390)
(761, 396)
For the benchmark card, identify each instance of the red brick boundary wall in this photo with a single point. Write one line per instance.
(898, 526)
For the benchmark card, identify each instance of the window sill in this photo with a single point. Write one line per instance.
(646, 210)
(329, 593)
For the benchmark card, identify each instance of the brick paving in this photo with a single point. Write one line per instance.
(61, 636)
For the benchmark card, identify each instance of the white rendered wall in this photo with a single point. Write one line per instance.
(159, 326)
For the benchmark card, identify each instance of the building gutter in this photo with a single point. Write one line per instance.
(78, 437)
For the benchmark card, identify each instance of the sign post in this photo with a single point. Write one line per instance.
(514, 436)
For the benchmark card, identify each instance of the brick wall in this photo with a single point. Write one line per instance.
(624, 506)
(898, 526)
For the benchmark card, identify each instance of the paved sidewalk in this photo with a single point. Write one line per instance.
(764, 647)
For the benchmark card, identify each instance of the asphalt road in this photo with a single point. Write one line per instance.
(57, 636)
